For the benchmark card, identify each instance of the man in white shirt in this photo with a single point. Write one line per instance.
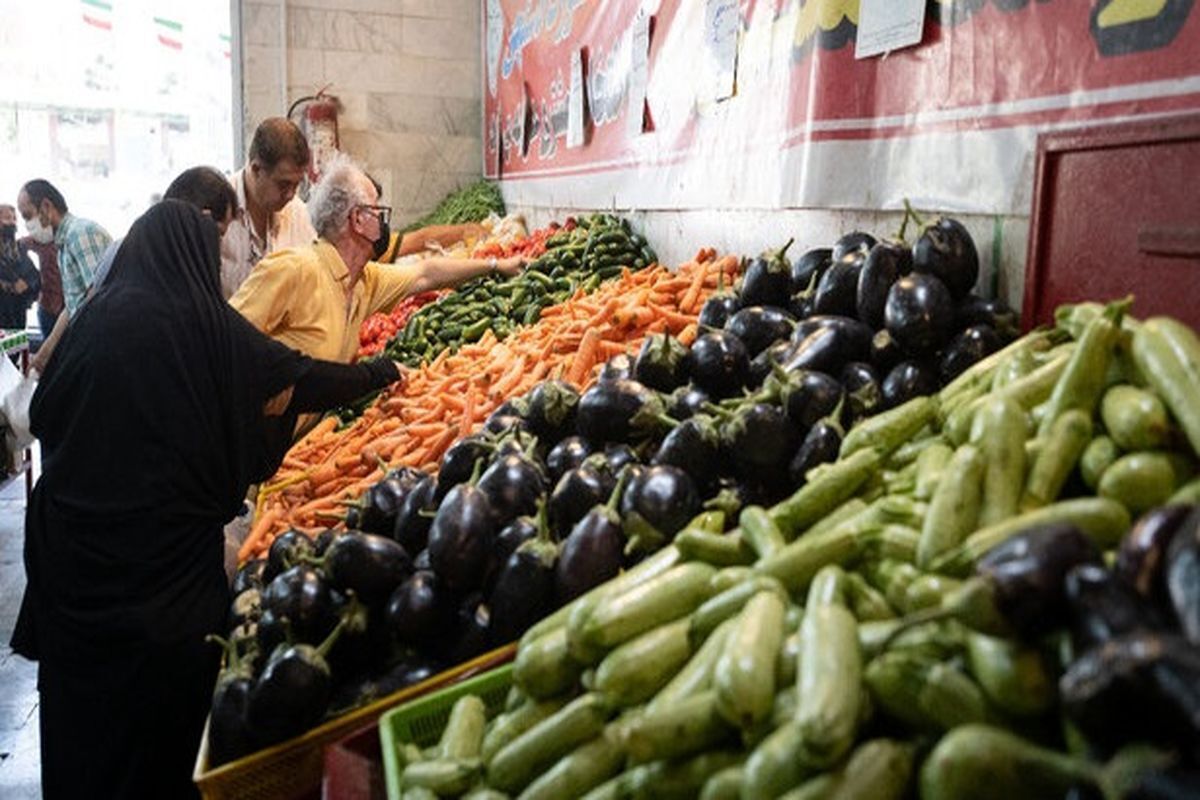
(271, 216)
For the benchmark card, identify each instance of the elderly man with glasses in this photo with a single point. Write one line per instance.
(315, 297)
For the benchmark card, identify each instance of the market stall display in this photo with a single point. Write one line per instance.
(941, 578)
(472, 203)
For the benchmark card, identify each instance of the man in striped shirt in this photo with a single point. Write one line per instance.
(80, 244)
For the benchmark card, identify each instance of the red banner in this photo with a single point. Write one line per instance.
(951, 120)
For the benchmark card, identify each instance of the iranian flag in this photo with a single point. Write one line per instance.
(97, 14)
(226, 44)
(170, 32)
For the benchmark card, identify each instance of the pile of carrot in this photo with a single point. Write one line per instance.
(415, 421)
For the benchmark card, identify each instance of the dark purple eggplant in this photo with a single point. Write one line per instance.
(717, 310)
(969, 346)
(802, 304)
(863, 393)
(759, 327)
(907, 380)
(551, 410)
(270, 631)
(498, 425)
(1103, 608)
(303, 597)
(577, 492)
(946, 250)
(1139, 687)
(687, 401)
(617, 456)
(853, 243)
(246, 607)
(619, 411)
(460, 459)
(470, 634)
(885, 263)
(919, 314)
(719, 364)
(764, 364)
(513, 486)
(365, 642)
(837, 291)
(371, 566)
(515, 534)
(379, 505)
(593, 552)
(421, 562)
(413, 669)
(820, 351)
(657, 503)
(1174, 782)
(1017, 589)
(808, 268)
(568, 454)
(1142, 557)
(249, 576)
(660, 363)
(820, 446)
(693, 446)
(289, 549)
(461, 537)
(416, 515)
(1182, 573)
(617, 368)
(767, 281)
(419, 609)
(229, 735)
(524, 589)
(974, 310)
(761, 439)
(324, 539)
(885, 353)
(807, 396)
(854, 338)
(292, 693)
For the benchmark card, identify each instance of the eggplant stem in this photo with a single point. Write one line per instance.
(476, 471)
(909, 211)
(329, 515)
(618, 490)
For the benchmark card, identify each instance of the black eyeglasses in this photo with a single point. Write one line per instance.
(383, 212)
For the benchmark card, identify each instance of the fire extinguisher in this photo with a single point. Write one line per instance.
(319, 123)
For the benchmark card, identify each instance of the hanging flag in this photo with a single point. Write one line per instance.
(170, 32)
(226, 44)
(97, 14)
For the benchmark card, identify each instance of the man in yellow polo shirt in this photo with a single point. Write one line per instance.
(314, 298)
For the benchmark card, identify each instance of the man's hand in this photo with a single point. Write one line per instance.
(403, 370)
(510, 267)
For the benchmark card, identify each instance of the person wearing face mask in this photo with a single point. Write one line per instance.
(314, 298)
(80, 243)
(19, 280)
(271, 217)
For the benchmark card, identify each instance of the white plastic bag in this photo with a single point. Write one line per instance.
(16, 392)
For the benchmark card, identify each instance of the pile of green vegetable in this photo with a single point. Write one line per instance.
(929, 611)
(470, 204)
(593, 249)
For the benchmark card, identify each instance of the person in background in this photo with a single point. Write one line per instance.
(271, 216)
(79, 244)
(314, 298)
(123, 529)
(19, 280)
(50, 298)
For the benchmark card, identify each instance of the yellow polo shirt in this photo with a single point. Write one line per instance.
(298, 297)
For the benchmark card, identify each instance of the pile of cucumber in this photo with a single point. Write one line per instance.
(839, 644)
(595, 249)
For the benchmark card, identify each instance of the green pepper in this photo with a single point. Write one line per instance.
(473, 332)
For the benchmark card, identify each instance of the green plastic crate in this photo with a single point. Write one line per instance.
(422, 721)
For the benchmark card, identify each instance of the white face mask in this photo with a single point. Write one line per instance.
(40, 233)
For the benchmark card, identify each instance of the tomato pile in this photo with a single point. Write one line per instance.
(530, 246)
(378, 329)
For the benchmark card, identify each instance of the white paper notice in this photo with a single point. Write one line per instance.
(720, 48)
(885, 25)
(635, 112)
(575, 120)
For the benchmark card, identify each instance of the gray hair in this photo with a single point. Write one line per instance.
(341, 188)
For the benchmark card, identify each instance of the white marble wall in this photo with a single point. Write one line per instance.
(407, 73)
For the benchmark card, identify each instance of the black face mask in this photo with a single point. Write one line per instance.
(8, 233)
(385, 238)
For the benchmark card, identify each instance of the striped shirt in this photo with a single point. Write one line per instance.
(81, 244)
